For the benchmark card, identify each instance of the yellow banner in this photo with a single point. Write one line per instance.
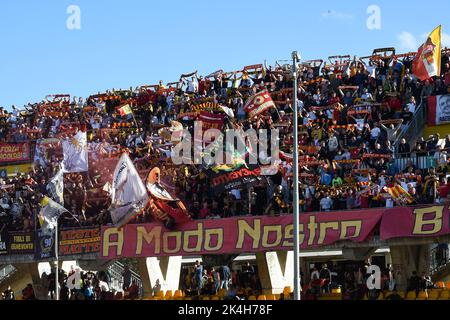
(13, 169)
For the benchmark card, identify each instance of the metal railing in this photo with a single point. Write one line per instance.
(439, 258)
(6, 272)
(115, 270)
(420, 162)
(415, 126)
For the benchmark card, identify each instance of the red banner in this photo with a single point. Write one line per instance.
(79, 241)
(211, 120)
(259, 103)
(237, 235)
(429, 221)
(14, 152)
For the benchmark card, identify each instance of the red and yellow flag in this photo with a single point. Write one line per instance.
(400, 195)
(427, 62)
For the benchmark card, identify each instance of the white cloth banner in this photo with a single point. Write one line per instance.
(55, 187)
(128, 192)
(75, 153)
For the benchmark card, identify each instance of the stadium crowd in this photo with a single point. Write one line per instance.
(351, 115)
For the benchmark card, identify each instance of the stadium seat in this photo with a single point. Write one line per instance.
(252, 298)
(381, 296)
(411, 295)
(187, 298)
(287, 290)
(401, 294)
(447, 284)
(222, 292)
(178, 293)
(168, 294)
(330, 296)
(206, 298)
(445, 294)
(434, 294)
(271, 297)
(215, 298)
(160, 294)
(262, 297)
(441, 284)
(336, 290)
(277, 297)
(422, 295)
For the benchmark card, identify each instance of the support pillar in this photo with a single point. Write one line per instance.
(143, 271)
(163, 273)
(40, 291)
(276, 270)
(406, 259)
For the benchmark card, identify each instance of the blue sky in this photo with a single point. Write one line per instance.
(130, 43)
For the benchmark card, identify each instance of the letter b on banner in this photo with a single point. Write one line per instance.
(374, 280)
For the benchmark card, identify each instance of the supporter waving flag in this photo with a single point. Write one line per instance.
(427, 62)
(259, 103)
(128, 195)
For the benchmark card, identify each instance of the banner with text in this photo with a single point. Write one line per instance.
(21, 243)
(79, 241)
(14, 152)
(238, 234)
(431, 221)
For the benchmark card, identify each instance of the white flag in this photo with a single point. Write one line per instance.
(128, 194)
(49, 214)
(228, 111)
(55, 187)
(75, 153)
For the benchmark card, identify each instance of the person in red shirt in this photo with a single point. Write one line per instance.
(443, 189)
(204, 211)
(364, 201)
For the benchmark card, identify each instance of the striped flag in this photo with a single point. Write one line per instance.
(399, 195)
(125, 110)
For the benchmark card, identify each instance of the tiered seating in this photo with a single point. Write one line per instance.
(330, 296)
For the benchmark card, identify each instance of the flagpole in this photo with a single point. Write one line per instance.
(57, 261)
(295, 58)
